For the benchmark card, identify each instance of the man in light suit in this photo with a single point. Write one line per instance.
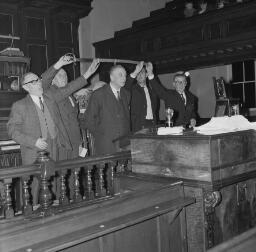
(107, 114)
(179, 99)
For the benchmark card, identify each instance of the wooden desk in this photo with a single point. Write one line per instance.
(146, 216)
(219, 171)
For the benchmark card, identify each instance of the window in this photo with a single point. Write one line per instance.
(243, 84)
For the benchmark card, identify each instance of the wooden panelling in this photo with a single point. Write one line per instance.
(47, 30)
(243, 242)
(217, 37)
(146, 216)
(38, 57)
(35, 28)
(6, 24)
(64, 32)
(218, 170)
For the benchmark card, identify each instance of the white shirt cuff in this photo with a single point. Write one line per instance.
(133, 75)
(151, 77)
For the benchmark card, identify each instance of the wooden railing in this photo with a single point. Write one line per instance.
(79, 181)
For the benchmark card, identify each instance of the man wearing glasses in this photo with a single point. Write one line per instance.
(179, 99)
(35, 121)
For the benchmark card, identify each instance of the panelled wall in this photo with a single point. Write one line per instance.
(43, 31)
(225, 36)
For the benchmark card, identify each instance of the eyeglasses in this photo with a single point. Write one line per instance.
(180, 82)
(33, 82)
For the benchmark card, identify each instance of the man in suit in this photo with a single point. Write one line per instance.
(144, 104)
(179, 99)
(53, 81)
(107, 114)
(35, 121)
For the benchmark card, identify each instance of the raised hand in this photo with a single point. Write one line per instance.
(65, 60)
(92, 68)
(138, 68)
(149, 69)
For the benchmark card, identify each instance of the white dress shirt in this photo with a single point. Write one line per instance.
(115, 91)
(149, 115)
(35, 99)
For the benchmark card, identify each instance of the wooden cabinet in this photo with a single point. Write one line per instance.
(218, 170)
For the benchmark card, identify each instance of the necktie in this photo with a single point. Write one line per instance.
(41, 104)
(118, 95)
(183, 99)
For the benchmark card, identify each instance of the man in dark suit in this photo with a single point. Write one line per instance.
(144, 104)
(107, 114)
(35, 121)
(179, 99)
(53, 81)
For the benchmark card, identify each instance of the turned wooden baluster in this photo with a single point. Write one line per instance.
(27, 208)
(110, 178)
(47, 170)
(77, 195)
(101, 188)
(89, 192)
(45, 196)
(63, 189)
(9, 212)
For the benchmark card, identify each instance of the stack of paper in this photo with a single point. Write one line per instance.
(218, 125)
(170, 131)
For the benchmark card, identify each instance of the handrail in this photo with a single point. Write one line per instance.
(25, 170)
(61, 185)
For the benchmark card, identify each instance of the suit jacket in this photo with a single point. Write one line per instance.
(101, 119)
(24, 126)
(182, 113)
(138, 103)
(69, 114)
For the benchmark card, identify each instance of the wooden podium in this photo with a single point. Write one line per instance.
(219, 171)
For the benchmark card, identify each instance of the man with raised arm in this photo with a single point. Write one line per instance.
(107, 115)
(144, 104)
(35, 121)
(179, 99)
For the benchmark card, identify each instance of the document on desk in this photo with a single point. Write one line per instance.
(170, 130)
(219, 125)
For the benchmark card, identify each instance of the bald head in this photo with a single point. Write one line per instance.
(117, 76)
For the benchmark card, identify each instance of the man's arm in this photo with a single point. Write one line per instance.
(91, 117)
(155, 84)
(50, 73)
(130, 80)
(14, 125)
(76, 84)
